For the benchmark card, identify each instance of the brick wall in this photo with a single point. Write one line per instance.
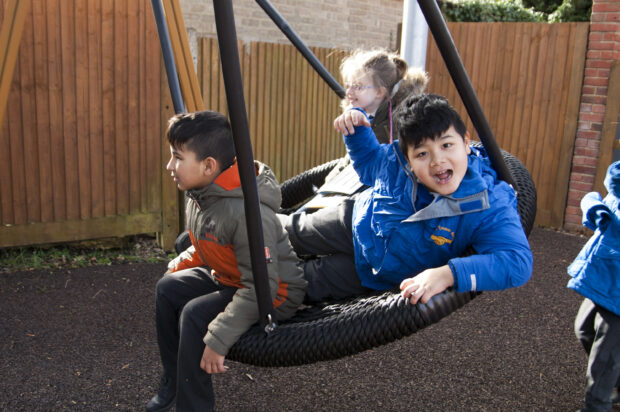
(603, 49)
(320, 23)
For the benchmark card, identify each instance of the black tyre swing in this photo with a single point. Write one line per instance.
(343, 328)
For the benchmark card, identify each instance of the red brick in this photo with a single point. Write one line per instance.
(586, 187)
(600, 45)
(603, 73)
(602, 91)
(578, 160)
(598, 108)
(574, 200)
(605, 64)
(591, 72)
(605, 7)
(588, 135)
(580, 151)
(603, 27)
(584, 169)
(590, 161)
(587, 90)
(581, 142)
(593, 117)
(594, 143)
(610, 36)
(599, 98)
(592, 54)
(586, 151)
(595, 81)
(595, 36)
(607, 54)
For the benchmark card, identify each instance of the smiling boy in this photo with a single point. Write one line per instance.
(431, 198)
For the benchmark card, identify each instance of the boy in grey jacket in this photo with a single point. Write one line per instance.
(207, 300)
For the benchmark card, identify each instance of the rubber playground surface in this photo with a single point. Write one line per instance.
(84, 339)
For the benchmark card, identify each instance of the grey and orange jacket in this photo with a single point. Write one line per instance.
(216, 223)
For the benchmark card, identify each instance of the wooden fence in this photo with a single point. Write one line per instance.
(82, 149)
(528, 78)
(81, 143)
(290, 108)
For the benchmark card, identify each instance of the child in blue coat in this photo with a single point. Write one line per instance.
(596, 275)
(431, 198)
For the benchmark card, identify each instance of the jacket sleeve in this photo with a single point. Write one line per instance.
(242, 312)
(595, 213)
(503, 258)
(365, 152)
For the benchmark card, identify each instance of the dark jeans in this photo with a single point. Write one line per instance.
(186, 302)
(325, 238)
(598, 330)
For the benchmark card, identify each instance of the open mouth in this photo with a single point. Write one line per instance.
(443, 177)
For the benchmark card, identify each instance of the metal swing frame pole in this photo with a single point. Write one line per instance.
(445, 44)
(231, 70)
(169, 63)
(301, 46)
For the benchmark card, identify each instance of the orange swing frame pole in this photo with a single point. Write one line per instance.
(10, 38)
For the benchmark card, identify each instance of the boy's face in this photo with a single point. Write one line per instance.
(440, 164)
(362, 92)
(188, 172)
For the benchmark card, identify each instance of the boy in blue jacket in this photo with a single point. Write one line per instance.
(595, 274)
(431, 198)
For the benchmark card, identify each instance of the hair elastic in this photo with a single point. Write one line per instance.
(395, 88)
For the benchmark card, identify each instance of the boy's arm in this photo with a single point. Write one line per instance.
(427, 284)
(242, 312)
(502, 259)
(362, 145)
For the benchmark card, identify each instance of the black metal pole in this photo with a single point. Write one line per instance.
(303, 49)
(455, 66)
(166, 50)
(231, 69)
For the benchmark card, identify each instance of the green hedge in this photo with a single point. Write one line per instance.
(515, 11)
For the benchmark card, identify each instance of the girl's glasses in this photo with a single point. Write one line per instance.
(357, 87)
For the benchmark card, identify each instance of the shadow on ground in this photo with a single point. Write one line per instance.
(84, 339)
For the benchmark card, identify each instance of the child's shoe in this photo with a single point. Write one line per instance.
(164, 400)
(615, 395)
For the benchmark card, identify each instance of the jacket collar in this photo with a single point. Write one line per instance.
(227, 180)
(470, 196)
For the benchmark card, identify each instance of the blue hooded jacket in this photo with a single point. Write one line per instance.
(596, 269)
(401, 229)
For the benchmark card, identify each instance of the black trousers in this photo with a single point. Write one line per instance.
(186, 302)
(598, 330)
(325, 239)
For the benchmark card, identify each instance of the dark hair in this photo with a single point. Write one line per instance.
(205, 133)
(425, 116)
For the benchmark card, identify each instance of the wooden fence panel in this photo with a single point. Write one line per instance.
(82, 139)
(528, 79)
(290, 109)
